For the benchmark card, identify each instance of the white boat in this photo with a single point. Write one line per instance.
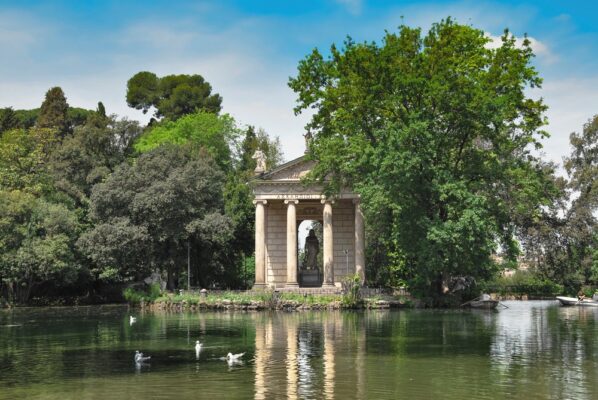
(573, 301)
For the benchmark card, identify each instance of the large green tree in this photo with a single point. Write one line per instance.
(172, 96)
(38, 226)
(146, 214)
(434, 132)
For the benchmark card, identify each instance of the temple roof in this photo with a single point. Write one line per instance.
(290, 171)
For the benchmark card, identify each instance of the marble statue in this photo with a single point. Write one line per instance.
(260, 160)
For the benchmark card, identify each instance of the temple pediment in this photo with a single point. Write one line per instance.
(291, 171)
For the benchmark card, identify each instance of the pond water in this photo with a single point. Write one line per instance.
(531, 350)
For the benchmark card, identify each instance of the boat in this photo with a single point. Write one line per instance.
(574, 301)
(484, 302)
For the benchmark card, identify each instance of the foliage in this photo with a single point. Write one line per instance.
(172, 96)
(8, 119)
(561, 242)
(146, 214)
(351, 286)
(237, 192)
(75, 116)
(54, 111)
(523, 283)
(214, 133)
(37, 226)
(91, 154)
(259, 140)
(23, 158)
(37, 242)
(136, 296)
(434, 132)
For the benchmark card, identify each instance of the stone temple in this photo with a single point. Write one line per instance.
(282, 201)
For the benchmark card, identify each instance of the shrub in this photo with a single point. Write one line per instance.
(523, 282)
(351, 296)
(136, 296)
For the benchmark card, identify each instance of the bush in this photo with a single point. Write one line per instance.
(148, 294)
(351, 296)
(523, 282)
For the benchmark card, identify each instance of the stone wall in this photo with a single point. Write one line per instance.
(343, 233)
(276, 243)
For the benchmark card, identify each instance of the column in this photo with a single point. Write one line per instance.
(359, 242)
(291, 243)
(328, 245)
(260, 244)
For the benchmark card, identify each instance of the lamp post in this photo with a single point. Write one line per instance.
(346, 251)
(188, 266)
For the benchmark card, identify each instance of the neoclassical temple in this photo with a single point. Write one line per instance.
(282, 202)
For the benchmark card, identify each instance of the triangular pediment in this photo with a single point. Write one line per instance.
(291, 171)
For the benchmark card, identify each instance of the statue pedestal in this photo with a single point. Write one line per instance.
(310, 278)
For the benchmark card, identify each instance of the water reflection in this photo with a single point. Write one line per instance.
(531, 350)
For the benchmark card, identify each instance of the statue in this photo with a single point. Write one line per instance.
(308, 136)
(260, 160)
(312, 248)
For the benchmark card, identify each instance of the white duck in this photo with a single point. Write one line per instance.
(234, 357)
(132, 320)
(139, 358)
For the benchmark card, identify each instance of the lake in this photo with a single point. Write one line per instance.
(531, 350)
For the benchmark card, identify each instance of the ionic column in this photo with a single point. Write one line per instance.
(328, 244)
(260, 244)
(359, 242)
(291, 243)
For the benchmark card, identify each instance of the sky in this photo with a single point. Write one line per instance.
(248, 50)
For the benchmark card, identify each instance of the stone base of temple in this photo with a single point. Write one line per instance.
(259, 286)
(311, 290)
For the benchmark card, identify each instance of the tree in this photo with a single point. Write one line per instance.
(37, 226)
(8, 119)
(172, 96)
(36, 243)
(582, 168)
(216, 133)
(237, 192)
(54, 111)
(91, 154)
(434, 132)
(146, 214)
(258, 141)
(560, 243)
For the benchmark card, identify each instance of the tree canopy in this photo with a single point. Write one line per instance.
(434, 132)
(216, 133)
(147, 213)
(172, 96)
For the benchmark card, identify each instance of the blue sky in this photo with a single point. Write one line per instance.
(248, 49)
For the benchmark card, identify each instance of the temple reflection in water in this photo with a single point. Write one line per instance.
(308, 349)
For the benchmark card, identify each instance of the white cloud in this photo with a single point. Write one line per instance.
(571, 101)
(540, 49)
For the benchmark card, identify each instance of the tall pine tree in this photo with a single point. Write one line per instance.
(53, 112)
